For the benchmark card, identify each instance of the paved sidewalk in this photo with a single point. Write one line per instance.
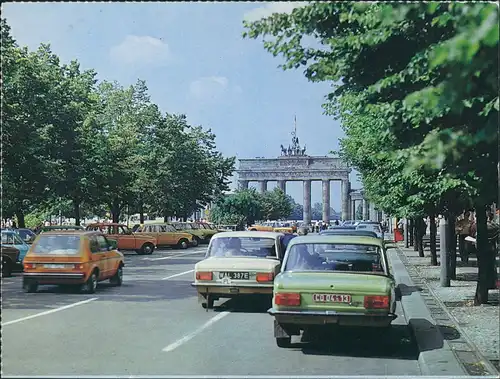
(478, 326)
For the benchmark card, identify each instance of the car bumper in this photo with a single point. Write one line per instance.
(332, 317)
(55, 277)
(204, 289)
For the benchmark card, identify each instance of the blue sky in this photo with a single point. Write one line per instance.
(195, 62)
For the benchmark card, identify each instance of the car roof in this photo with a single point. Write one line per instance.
(248, 233)
(78, 232)
(105, 224)
(337, 238)
(348, 232)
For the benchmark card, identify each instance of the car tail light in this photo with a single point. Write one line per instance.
(78, 266)
(287, 299)
(376, 302)
(29, 265)
(203, 276)
(264, 277)
(498, 284)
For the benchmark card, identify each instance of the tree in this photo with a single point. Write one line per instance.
(429, 70)
(275, 205)
(27, 108)
(243, 208)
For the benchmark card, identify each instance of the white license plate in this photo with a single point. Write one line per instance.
(331, 298)
(54, 266)
(234, 275)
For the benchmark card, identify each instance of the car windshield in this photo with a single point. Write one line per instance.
(57, 245)
(334, 257)
(242, 247)
(11, 239)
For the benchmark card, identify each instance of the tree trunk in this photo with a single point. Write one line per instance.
(141, 212)
(433, 230)
(415, 235)
(411, 232)
(20, 218)
(420, 232)
(76, 211)
(481, 296)
(452, 246)
(115, 210)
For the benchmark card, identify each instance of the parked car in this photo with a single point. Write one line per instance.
(73, 258)
(143, 244)
(200, 235)
(27, 235)
(10, 257)
(348, 232)
(51, 228)
(333, 280)
(238, 263)
(166, 235)
(371, 226)
(11, 239)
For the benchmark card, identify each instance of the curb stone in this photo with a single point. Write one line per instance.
(464, 349)
(435, 355)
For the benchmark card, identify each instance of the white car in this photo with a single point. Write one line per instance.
(371, 226)
(238, 263)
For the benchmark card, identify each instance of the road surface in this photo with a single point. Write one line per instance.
(154, 325)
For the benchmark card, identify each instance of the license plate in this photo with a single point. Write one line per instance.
(234, 275)
(331, 298)
(54, 266)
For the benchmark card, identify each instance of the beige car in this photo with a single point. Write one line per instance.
(238, 263)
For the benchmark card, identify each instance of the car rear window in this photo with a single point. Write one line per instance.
(334, 257)
(57, 245)
(242, 247)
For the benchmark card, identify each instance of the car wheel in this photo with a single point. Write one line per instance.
(209, 303)
(30, 286)
(147, 249)
(6, 267)
(284, 341)
(90, 285)
(117, 278)
(183, 243)
(195, 242)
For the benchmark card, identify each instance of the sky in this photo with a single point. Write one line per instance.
(195, 62)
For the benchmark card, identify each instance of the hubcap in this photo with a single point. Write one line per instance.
(120, 273)
(94, 281)
(147, 249)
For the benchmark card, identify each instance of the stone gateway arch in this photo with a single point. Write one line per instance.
(295, 165)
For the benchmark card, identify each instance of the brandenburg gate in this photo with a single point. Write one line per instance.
(295, 165)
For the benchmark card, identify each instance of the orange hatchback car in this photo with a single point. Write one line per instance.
(72, 258)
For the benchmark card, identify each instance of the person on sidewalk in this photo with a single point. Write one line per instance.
(493, 232)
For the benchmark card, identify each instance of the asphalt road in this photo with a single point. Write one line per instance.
(154, 325)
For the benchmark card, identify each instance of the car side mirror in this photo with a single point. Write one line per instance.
(110, 247)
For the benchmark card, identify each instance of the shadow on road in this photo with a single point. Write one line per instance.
(136, 291)
(430, 336)
(408, 290)
(247, 304)
(396, 342)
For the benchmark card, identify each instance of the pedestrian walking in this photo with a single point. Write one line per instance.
(463, 229)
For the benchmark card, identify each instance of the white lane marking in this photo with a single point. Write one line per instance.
(176, 275)
(193, 334)
(173, 256)
(49, 311)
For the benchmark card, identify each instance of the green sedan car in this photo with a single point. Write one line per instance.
(332, 280)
